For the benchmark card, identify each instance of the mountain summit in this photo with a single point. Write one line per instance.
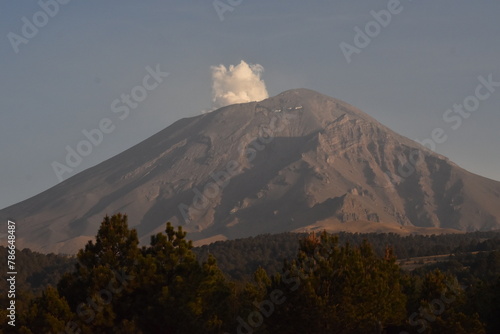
(298, 161)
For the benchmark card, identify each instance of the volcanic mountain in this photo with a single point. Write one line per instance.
(298, 161)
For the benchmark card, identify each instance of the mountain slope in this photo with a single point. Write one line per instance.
(296, 161)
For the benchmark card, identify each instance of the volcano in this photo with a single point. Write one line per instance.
(299, 161)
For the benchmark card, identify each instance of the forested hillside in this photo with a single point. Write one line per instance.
(34, 270)
(240, 258)
(286, 283)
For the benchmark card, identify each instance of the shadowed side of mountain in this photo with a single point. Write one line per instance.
(296, 161)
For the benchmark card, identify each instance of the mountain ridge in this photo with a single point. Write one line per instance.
(300, 160)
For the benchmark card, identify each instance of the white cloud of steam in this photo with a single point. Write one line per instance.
(237, 84)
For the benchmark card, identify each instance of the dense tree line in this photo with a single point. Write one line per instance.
(240, 258)
(480, 274)
(326, 284)
(35, 270)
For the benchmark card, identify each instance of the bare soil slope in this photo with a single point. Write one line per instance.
(297, 161)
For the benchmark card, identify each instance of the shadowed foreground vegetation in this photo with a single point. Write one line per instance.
(345, 283)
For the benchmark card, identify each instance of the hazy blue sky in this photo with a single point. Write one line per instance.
(65, 78)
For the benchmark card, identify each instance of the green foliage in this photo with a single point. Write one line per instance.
(439, 306)
(176, 293)
(36, 271)
(48, 313)
(339, 289)
(239, 259)
(287, 283)
(161, 288)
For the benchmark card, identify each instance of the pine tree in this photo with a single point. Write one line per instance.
(105, 276)
(334, 289)
(49, 313)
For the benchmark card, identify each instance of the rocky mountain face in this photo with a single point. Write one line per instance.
(298, 161)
